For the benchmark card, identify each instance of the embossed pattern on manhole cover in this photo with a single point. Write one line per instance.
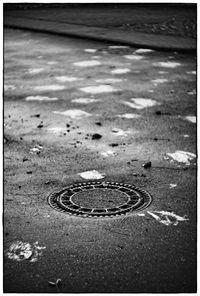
(99, 199)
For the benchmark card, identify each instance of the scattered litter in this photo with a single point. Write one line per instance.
(133, 57)
(147, 165)
(90, 50)
(21, 251)
(121, 71)
(117, 46)
(143, 50)
(9, 87)
(67, 78)
(98, 89)
(192, 119)
(35, 70)
(89, 175)
(167, 218)
(109, 80)
(84, 100)
(192, 92)
(52, 87)
(129, 115)
(36, 149)
(182, 156)
(167, 64)
(192, 72)
(73, 113)
(140, 103)
(159, 80)
(120, 132)
(172, 185)
(52, 284)
(87, 63)
(96, 136)
(40, 98)
(108, 153)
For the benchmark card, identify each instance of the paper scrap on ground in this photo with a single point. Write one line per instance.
(167, 218)
(129, 115)
(99, 89)
(35, 70)
(52, 87)
(21, 251)
(172, 185)
(89, 175)
(182, 156)
(140, 103)
(192, 119)
(143, 50)
(167, 64)
(121, 71)
(84, 100)
(73, 113)
(40, 98)
(87, 63)
(67, 78)
(133, 57)
(108, 153)
(90, 50)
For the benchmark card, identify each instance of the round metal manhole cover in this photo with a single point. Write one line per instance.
(99, 199)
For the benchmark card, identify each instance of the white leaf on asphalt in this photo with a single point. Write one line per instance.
(121, 71)
(167, 218)
(98, 89)
(40, 98)
(108, 153)
(73, 113)
(182, 156)
(129, 116)
(167, 64)
(84, 100)
(90, 50)
(87, 63)
(143, 50)
(67, 78)
(172, 185)
(133, 57)
(89, 175)
(35, 70)
(140, 103)
(52, 87)
(192, 119)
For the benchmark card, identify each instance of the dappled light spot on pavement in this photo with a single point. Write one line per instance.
(67, 78)
(162, 72)
(87, 63)
(98, 89)
(90, 50)
(35, 70)
(40, 98)
(140, 103)
(167, 218)
(192, 72)
(159, 80)
(92, 175)
(9, 87)
(56, 130)
(121, 71)
(84, 100)
(192, 119)
(73, 113)
(20, 251)
(129, 115)
(133, 57)
(143, 50)
(108, 153)
(167, 64)
(181, 157)
(52, 87)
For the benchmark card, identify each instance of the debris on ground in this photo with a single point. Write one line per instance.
(172, 185)
(57, 283)
(40, 125)
(147, 165)
(167, 218)
(36, 149)
(181, 156)
(89, 175)
(96, 136)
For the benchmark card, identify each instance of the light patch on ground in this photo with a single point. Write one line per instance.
(40, 98)
(67, 78)
(20, 251)
(84, 100)
(167, 64)
(167, 218)
(91, 175)
(118, 46)
(73, 113)
(9, 87)
(159, 80)
(192, 92)
(151, 90)
(186, 136)
(162, 72)
(52, 63)
(87, 63)
(103, 88)
(141, 214)
(56, 130)
(143, 50)
(35, 70)
(192, 119)
(129, 115)
(90, 50)
(192, 72)
(182, 156)
(109, 80)
(52, 87)
(95, 57)
(172, 185)
(120, 132)
(140, 103)
(36, 149)
(121, 71)
(133, 57)
(108, 153)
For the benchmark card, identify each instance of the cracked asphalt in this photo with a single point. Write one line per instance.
(50, 119)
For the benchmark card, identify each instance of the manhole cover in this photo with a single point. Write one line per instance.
(99, 199)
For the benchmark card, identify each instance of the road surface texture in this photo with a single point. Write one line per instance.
(122, 114)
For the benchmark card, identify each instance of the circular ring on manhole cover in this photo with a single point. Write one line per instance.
(99, 199)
